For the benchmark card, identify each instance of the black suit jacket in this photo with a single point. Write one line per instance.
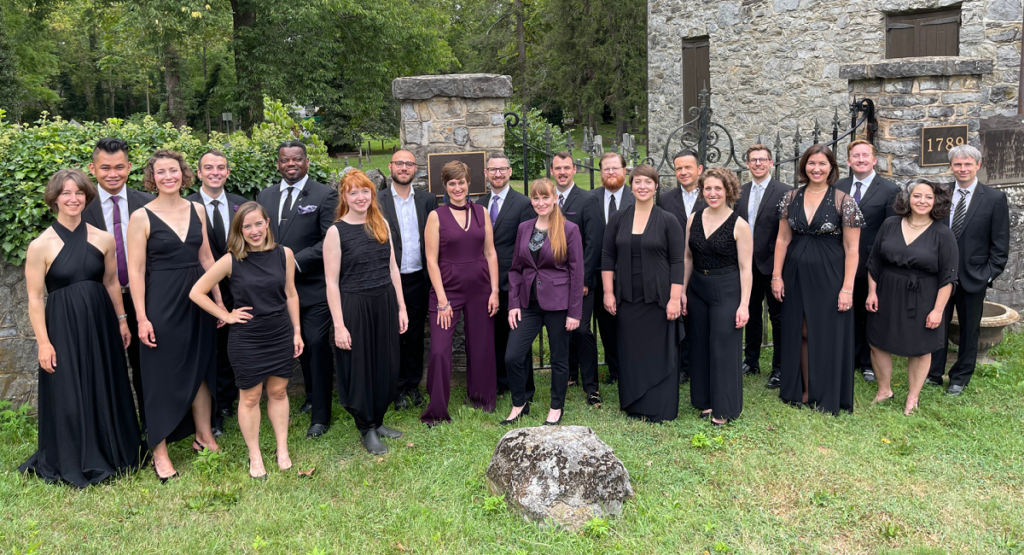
(627, 199)
(984, 242)
(219, 246)
(584, 209)
(877, 206)
(767, 224)
(672, 202)
(311, 215)
(515, 210)
(93, 214)
(425, 204)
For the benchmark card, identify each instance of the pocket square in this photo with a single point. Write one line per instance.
(307, 209)
(570, 213)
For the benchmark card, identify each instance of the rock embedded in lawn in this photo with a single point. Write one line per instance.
(562, 473)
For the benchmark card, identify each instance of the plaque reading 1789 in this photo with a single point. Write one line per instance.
(937, 141)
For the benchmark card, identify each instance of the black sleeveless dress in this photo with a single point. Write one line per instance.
(713, 295)
(87, 425)
(186, 335)
(263, 346)
(368, 372)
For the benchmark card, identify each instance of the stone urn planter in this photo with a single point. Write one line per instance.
(994, 317)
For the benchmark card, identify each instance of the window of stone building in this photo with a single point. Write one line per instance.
(696, 72)
(933, 33)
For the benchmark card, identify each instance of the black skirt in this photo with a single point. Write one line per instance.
(261, 348)
(368, 372)
(648, 359)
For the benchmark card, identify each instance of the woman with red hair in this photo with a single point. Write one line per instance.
(364, 292)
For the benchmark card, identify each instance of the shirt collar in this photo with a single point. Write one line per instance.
(500, 194)
(866, 182)
(616, 194)
(970, 190)
(398, 198)
(764, 183)
(690, 194)
(207, 199)
(567, 191)
(104, 195)
(298, 186)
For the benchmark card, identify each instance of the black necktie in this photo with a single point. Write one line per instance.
(960, 213)
(611, 207)
(218, 225)
(287, 206)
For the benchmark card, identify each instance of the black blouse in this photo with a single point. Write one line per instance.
(662, 253)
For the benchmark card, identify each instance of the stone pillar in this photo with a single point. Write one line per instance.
(19, 367)
(452, 113)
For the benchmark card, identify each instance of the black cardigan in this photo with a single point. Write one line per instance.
(664, 251)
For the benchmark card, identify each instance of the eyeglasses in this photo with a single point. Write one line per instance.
(499, 170)
(610, 170)
(401, 164)
(758, 161)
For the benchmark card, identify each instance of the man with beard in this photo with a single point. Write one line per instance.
(220, 210)
(301, 211)
(683, 201)
(406, 211)
(583, 209)
(614, 195)
(507, 209)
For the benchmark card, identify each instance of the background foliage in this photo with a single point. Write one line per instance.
(536, 135)
(29, 155)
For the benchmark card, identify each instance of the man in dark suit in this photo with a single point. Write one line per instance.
(220, 211)
(583, 209)
(406, 210)
(614, 195)
(683, 201)
(507, 209)
(110, 211)
(980, 220)
(875, 195)
(301, 211)
(758, 204)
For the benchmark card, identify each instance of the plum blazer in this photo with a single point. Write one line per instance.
(559, 284)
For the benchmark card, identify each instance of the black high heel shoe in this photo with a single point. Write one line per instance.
(163, 480)
(556, 422)
(522, 413)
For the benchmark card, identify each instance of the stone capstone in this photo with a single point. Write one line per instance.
(467, 85)
(916, 67)
(562, 473)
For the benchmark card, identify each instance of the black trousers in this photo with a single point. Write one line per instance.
(684, 347)
(226, 393)
(583, 347)
(133, 353)
(501, 335)
(761, 291)
(416, 292)
(519, 342)
(609, 334)
(317, 359)
(969, 308)
(716, 378)
(861, 349)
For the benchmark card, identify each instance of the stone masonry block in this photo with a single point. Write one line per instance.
(409, 111)
(914, 100)
(447, 108)
(486, 105)
(941, 112)
(964, 97)
(469, 85)
(905, 129)
(478, 120)
(439, 132)
(461, 136)
(412, 132)
(900, 86)
(901, 114)
(487, 137)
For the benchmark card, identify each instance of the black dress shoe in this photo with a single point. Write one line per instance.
(522, 413)
(933, 380)
(317, 430)
(402, 402)
(594, 399)
(415, 397)
(217, 431)
(750, 370)
(373, 444)
(954, 390)
(869, 375)
(389, 433)
(774, 381)
(307, 406)
(610, 379)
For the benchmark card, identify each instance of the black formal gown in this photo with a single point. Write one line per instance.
(263, 346)
(813, 275)
(87, 426)
(713, 296)
(186, 335)
(368, 372)
(909, 278)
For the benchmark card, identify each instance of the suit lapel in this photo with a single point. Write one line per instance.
(299, 199)
(972, 208)
(875, 186)
(274, 198)
(761, 208)
(510, 200)
(744, 200)
(95, 210)
(571, 198)
(392, 214)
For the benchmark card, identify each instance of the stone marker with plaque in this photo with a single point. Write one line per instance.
(936, 142)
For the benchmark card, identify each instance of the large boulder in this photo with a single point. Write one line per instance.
(563, 473)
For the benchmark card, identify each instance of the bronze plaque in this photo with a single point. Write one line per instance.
(475, 160)
(936, 143)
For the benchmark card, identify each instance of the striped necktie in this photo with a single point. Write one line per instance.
(960, 213)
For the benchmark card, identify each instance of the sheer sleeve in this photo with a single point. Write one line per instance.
(949, 256)
(785, 203)
(850, 211)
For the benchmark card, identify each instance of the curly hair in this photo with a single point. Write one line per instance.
(728, 179)
(188, 177)
(942, 203)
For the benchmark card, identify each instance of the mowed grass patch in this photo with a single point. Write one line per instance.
(778, 480)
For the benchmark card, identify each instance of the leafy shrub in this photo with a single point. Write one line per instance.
(536, 135)
(30, 154)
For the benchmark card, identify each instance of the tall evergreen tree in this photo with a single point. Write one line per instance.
(9, 86)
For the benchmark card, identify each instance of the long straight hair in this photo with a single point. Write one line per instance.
(556, 221)
(375, 225)
(237, 245)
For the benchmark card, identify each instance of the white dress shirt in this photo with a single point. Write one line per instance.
(408, 223)
(864, 184)
(223, 208)
(608, 195)
(690, 199)
(284, 195)
(498, 197)
(108, 212)
(956, 199)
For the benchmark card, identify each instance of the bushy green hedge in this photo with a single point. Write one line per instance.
(536, 137)
(30, 154)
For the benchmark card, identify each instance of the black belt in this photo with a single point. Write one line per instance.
(718, 271)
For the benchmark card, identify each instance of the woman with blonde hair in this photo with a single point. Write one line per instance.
(545, 289)
(364, 292)
(265, 337)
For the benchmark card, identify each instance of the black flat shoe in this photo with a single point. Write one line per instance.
(416, 398)
(389, 433)
(260, 477)
(373, 444)
(316, 430)
(750, 370)
(163, 480)
(522, 413)
(556, 422)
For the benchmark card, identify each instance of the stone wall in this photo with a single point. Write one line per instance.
(1009, 288)
(18, 365)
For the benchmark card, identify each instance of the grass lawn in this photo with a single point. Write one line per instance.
(778, 480)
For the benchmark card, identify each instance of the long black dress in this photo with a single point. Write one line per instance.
(713, 296)
(87, 426)
(186, 335)
(368, 372)
(813, 275)
(263, 346)
(909, 278)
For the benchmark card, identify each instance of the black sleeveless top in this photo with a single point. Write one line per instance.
(716, 252)
(365, 263)
(259, 280)
(78, 260)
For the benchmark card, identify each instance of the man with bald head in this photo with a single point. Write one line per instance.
(406, 210)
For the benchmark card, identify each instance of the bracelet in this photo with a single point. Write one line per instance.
(122, 316)
(845, 291)
(773, 279)
(445, 307)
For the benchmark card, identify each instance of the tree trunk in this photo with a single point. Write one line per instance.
(206, 95)
(250, 84)
(521, 47)
(172, 82)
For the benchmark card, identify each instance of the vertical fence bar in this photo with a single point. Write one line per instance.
(796, 154)
(526, 156)
(778, 154)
